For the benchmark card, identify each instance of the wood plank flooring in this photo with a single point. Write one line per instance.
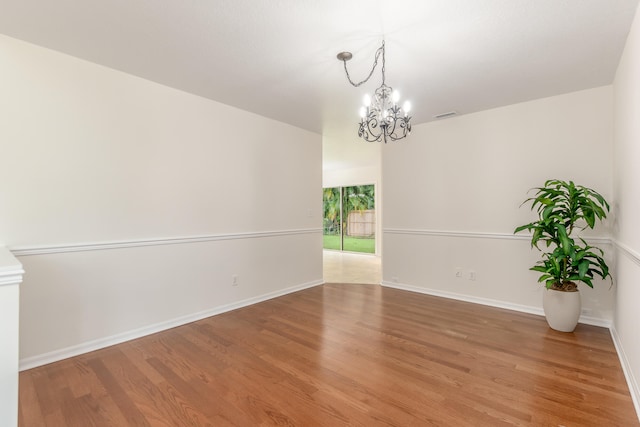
(338, 355)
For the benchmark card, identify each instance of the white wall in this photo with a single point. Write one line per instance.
(452, 193)
(627, 203)
(132, 204)
(351, 176)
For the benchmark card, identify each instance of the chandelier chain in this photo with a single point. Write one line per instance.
(375, 64)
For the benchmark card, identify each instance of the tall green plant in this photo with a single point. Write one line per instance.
(562, 207)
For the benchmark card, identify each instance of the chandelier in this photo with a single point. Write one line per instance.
(381, 118)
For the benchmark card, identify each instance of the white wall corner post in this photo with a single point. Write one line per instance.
(10, 278)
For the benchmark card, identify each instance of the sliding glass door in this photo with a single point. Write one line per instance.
(349, 218)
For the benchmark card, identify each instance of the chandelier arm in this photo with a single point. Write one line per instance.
(370, 129)
(375, 64)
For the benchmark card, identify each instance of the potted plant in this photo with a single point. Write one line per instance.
(564, 208)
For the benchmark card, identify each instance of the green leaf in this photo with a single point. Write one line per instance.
(583, 267)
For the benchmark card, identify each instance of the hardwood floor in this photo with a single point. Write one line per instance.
(339, 355)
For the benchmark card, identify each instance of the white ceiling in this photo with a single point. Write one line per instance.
(277, 58)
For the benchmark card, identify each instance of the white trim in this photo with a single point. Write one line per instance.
(588, 320)
(633, 255)
(64, 353)
(446, 233)
(11, 270)
(11, 279)
(96, 246)
(475, 234)
(634, 388)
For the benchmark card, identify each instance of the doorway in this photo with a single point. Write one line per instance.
(349, 221)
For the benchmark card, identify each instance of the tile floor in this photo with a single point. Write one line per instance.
(345, 267)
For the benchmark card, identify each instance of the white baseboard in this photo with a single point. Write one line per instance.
(64, 353)
(634, 388)
(587, 320)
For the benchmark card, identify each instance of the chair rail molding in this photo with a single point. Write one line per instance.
(633, 255)
(21, 251)
(477, 234)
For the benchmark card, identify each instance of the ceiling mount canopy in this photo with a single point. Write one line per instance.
(381, 118)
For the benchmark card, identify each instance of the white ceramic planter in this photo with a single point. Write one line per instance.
(562, 309)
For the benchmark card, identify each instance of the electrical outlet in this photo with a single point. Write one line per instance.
(458, 271)
(472, 275)
(234, 280)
